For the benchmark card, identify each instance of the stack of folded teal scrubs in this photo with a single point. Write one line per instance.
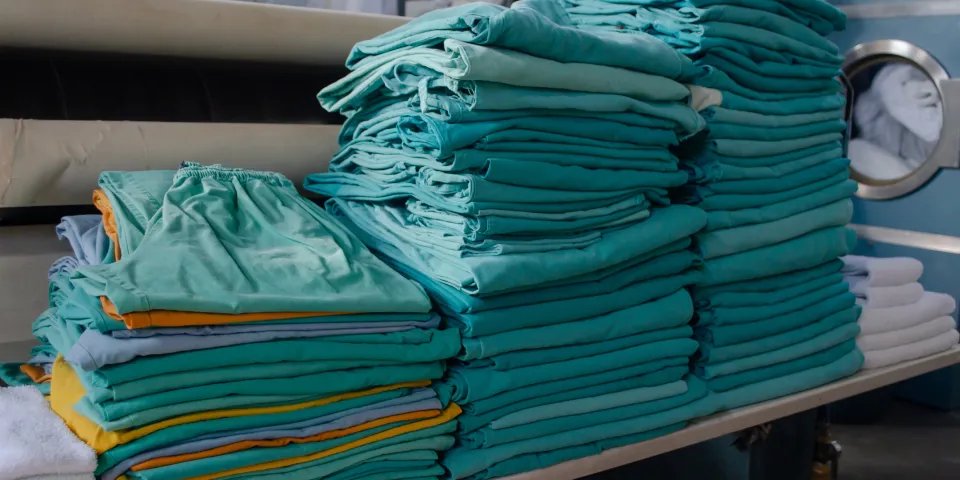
(236, 330)
(773, 314)
(518, 168)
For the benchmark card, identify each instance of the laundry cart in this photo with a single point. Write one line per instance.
(119, 85)
(904, 69)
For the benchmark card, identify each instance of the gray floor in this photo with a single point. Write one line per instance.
(911, 442)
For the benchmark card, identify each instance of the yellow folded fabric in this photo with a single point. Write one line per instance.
(102, 202)
(35, 373)
(448, 414)
(279, 442)
(66, 390)
(171, 318)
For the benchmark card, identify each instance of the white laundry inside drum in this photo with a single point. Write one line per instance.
(898, 121)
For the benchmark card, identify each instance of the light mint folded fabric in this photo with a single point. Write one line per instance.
(839, 335)
(463, 462)
(804, 252)
(717, 243)
(255, 456)
(526, 358)
(763, 148)
(729, 219)
(751, 201)
(592, 404)
(789, 384)
(473, 384)
(394, 346)
(769, 283)
(329, 269)
(721, 316)
(705, 173)
(135, 197)
(597, 413)
(709, 354)
(380, 227)
(733, 299)
(750, 132)
(536, 27)
(573, 389)
(673, 310)
(819, 359)
(181, 433)
(118, 415)
(723, 335)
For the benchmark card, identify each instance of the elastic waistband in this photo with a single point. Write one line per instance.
(219, 172)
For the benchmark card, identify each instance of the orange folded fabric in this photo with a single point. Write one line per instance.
(172, 318)
(102, 203)
(280, 442)
(35, 373)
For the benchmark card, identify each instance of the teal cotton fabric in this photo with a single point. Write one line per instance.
(733, 298)
(135, 197)
(740, 314)
(720, 219)
(770, 283)
(814, 360)
(310, 254)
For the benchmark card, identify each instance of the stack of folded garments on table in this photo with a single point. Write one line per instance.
(243, 332)
(518, 168)
(900, 321)
(90, 246)
(773, 315)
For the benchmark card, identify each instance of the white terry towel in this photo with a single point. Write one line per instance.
(895, 338)
(882, 272)
(930, 306)
(35, 442)
(911, 351)
(883, 297)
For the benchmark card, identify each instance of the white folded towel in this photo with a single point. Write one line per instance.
(910, 351)
(883, 297)
(916, 333)
(34, 441)
(930, 306)
(883, 272)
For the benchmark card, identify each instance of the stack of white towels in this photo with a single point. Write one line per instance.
(900, 321)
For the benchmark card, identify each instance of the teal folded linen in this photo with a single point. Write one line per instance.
(592, 404)
(673, 310)
(256, 456)
(797, 382)
(350, 465)
(12, 376)
(733, 299)
(719, 80)
(819, 16)
(733, 14)
(526, 358)
(536, 27)
(112, 416)
(814, 360)
(717, 243)
(463, 462)
(769, 283)
(482, 412)
(706, 157)
(723, 335)
(764, 83)
(750, 132)
(692, 389)
(804, 252)
(670, 259)
(709, 353)
(726, 116)
(135, 197)
(181, 433)
(763, 148)
(329, 269)
(392, 470)
(720, 219)
(706, 173)
(721, 316)
(474, 384)
(396, 346)
(825, 102)
(483, 276)
(839, 335)
(743, 201)
(533, 461)
(428, 135)
(774, 185)
(739, 66)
